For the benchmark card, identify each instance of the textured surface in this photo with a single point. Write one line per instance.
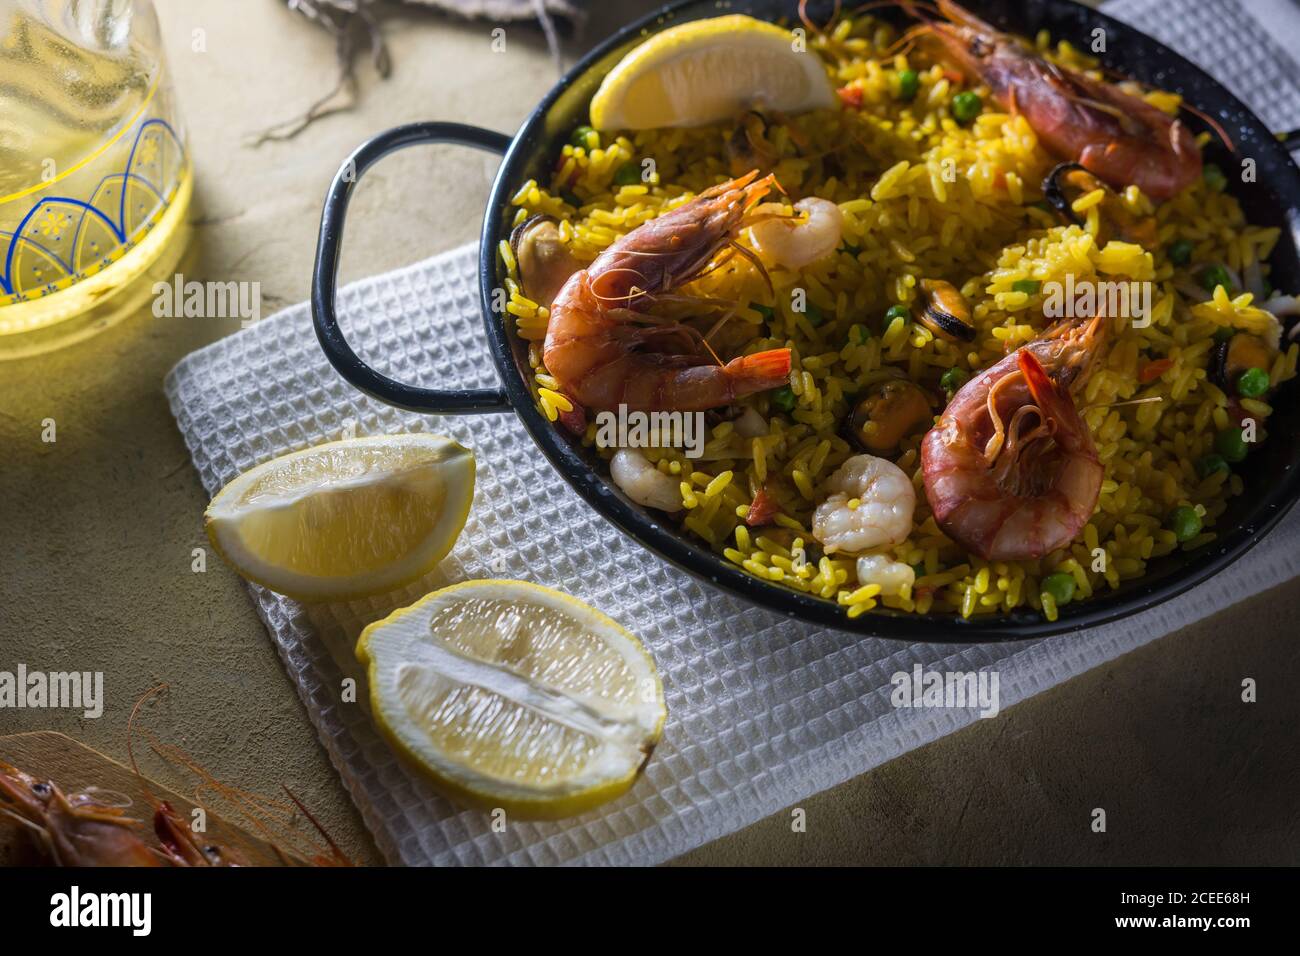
(762, 711)
(98, 528)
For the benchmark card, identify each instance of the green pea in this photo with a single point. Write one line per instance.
(1230, 444)
(1180, 252)
(860, 333)
(896, 312)
(908, 84)
(1027, 286)
(953, 379)
(919, 569)
(815, 315)
(783, 398)
(1223, 333)
(1210, 464)
(1060, 586)
(629, 174)
(1214, 178)
(1215, 276)
(1253, 383)
(582, 137)
(1185, 523)
(966, 106)
(766, 311)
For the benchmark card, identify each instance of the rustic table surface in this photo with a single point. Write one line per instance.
(97, 529)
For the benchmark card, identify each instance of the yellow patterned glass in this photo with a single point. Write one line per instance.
(95, 180)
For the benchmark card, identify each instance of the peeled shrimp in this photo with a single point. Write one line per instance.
(795, 243)
(606, 350)
(882, 514)
(894, 577)
(643, 482)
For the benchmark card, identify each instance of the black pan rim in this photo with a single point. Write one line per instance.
(709, 567)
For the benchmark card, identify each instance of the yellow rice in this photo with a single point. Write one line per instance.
(906, 217)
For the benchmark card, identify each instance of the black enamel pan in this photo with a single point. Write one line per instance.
(1271, 473)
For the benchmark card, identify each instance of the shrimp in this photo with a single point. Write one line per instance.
(870, 506)
(180, 845)
(1010, 469)
(1117, 136)
(894, 577)
(643, 482)
(795, 243)
(605, 351)
(73, 829)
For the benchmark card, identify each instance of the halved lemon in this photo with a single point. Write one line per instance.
(347, 518)
(512, 695)
(707, 71)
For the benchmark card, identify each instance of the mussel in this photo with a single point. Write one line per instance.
(545, 262)
(888, 412)
(944, 311)
(1067, 182)
(1239, 354)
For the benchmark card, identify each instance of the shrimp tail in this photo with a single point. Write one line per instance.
(758, 372)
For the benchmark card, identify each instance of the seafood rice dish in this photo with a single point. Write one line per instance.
(979, 330)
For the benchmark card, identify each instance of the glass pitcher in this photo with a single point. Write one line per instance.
(95, 179)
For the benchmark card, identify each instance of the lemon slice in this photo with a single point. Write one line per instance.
(707, 71)
(345, 519)
(515, 696)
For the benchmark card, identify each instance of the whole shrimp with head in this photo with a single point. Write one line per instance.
(1119, 137)
(1011, 471)
(73, 829)
(605, 350)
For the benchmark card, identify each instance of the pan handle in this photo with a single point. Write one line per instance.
(324, 283)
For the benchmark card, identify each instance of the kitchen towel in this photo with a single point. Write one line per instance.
(763, 711)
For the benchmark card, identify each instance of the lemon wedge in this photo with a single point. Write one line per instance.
(707, 71)
(347, 518)
(514, 696)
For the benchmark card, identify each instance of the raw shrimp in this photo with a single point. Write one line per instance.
(1116, 135)
(73, 829)
(603, 348)
(795, 243)
(179, 842)
(1010, 469)
(870, 506)
(643, 482)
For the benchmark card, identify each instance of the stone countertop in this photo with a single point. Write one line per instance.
(98, 527)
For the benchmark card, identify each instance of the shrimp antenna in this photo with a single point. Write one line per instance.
(807, 21)
(1131, 401)
(908, 6)
(618, 298)
(130, 733)
(1211, 122)
(756, 263)
(905, 40)
(334, 847)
